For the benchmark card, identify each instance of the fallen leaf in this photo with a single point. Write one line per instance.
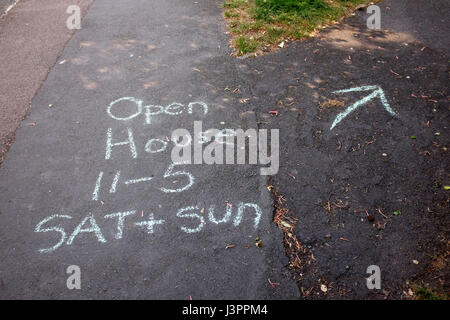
(285, 224)
(397, 76)
(273, 284)
(332, 103)
(380, 226)
(381, 212)
(291, 175)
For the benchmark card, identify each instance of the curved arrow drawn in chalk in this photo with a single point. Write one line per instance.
(377, 92)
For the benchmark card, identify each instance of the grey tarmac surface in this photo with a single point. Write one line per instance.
(160, 52)
(173, 51)
(32, 36)
(425, 20)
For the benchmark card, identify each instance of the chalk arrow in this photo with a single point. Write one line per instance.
(377, 92)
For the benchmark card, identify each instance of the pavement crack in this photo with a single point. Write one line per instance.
(300, 257)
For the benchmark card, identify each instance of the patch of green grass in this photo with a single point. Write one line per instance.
(269, 9)
(274, 34)
(245, 44)
(299, 33)
(245, 26)
(262, 23)
(256, 25)
(229, 14)
(234, 3)
(423, 293)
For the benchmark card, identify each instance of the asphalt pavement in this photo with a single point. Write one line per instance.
(156, 53)
(6, 5)
(32, 36)
(89, 180)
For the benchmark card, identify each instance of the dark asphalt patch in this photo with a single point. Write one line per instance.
(369, 161)
(32, 35)
(426, 20)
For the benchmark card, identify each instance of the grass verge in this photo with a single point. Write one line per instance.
(258, 26)
(427, 293)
